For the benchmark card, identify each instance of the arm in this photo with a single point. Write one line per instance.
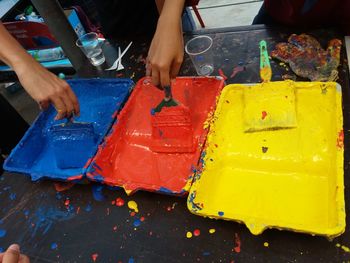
(166, 52)
(43, 86)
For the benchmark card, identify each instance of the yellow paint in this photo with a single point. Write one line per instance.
(133, 206)
(265, 74)
(284, 178)
(345, 248)
(188, 234)
(212, 231)
(266, 244)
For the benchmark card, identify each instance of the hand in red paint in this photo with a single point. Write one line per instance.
(166, 52)
(13, 255)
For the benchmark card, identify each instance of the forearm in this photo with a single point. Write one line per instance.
(11, 52)
(170, 9)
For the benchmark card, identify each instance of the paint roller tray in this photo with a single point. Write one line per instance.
(100, 100)
(286, 178)
(126, 160)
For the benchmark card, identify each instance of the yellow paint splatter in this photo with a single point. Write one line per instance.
(188, 234)
(212, 231)
(345, 248)
(266, 244)
(133, 206)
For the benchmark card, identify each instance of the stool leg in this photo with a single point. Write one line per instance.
(195, 9)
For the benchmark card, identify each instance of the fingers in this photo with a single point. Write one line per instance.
(155, 77)
(175, 68)
(23, 259)
(12, 254)
(73, 100)
(60, 107)
(164, 76)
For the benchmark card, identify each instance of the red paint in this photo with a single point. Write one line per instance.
(113, 202)
(142, 219)
(236, 70)
(132, 214)
(237, 247)
(168, 208)
(60, 187)
(119, 202)
(66, 202)
(222, 74)
(94, 257)
(126, 159)
(196, 232)
(115, 228)
(263, 115)
(340, 139)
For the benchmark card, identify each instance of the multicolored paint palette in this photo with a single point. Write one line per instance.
(127, 159)
(100, 100)
(286, 177)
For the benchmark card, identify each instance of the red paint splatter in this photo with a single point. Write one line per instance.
(263, 115)
(132, 214)
(119, 202)
(142, 218)
(340, 139)
(60, 187)
(94, 257)
(66, 202)
(237, 247)
(113, 202)
(168, 208)
(196, 232)
(115, 228)
(222, 74)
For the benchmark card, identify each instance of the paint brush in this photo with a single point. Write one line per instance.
(168, 100)
(265, 67)
(172, 130)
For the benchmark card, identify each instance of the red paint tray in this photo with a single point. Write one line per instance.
(126, 158)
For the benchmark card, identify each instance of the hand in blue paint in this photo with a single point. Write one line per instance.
(13, 255)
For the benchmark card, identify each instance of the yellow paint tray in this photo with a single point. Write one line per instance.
(279, 177)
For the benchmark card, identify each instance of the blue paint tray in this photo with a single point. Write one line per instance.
(100, 101)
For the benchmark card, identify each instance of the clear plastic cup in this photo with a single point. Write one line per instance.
(92, 48)
(200, 52)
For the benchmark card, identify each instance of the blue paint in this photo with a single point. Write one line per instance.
(97, 192)
(12, 196)
(58, 196)
(26, 212)
(1, 250)
(131, 260)
(2, 232)
(206, 253)
(99, 100)
(54, 246)
(45, 217)
(153, 112)
(88, 208)
(99, 178)
(220, 213)
(137, 222)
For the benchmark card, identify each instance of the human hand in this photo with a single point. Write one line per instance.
(45, 88)
(166, 52)
(13, 255)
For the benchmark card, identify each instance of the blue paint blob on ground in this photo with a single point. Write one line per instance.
(54, 246)
(206, 253)
(88, 208)
(97, 192)
(2, 232)
(13, 196)
(137, 222)
(26, 212)
(131, 260)
(220, 213)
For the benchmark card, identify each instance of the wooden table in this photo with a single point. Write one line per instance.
(81, 224)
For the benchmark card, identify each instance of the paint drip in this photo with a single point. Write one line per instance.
(133, 206)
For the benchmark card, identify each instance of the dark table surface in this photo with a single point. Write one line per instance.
(81, 224)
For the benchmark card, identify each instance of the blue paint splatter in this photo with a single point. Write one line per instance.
(88, 208)
(137, 222)
(220, 213)
(97, 192)
(2, 232)
(54, 246)
(131, 260)
(13, 196)
(1, 249)
(153, 112)
(45, 217)
(206, 253)
(26, 212)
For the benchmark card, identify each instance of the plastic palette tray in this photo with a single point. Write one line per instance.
(100, 100)
(126, 159)
(286, 177)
